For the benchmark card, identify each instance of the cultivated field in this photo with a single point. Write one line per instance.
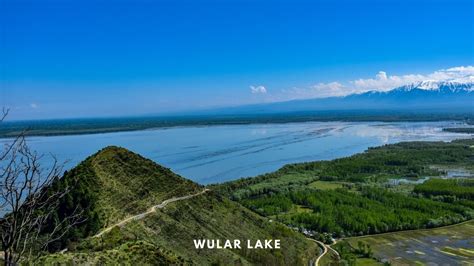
(450, 245)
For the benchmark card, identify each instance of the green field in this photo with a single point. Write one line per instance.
(450, 245)
(326, 185)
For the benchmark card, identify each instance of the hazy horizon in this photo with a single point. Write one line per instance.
(66, 59)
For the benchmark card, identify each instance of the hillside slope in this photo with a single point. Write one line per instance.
(114, 184)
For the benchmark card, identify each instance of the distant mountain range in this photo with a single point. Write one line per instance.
(422, 101)
(433, 96)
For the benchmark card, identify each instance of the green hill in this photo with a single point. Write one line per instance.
(114, 184)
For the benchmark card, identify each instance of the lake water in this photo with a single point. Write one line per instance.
(212, 154)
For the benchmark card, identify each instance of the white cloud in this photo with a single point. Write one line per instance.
(34, 105)
(258, 89)
(319, 90)
(327, 89)
(453, 73)
(381, 82)
(382, 75)
(333, 86)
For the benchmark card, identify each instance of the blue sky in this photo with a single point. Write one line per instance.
(113, 58)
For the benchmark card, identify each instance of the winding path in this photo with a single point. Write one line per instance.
(149, 211)
(326, 248)
(333, 250)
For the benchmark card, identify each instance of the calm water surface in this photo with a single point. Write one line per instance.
(221, 153)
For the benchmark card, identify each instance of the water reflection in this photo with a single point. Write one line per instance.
(221, 153)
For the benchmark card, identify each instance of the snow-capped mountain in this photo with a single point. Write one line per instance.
(457, 85)
(447, 96)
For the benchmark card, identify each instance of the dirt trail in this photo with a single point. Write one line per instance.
(149, 211)
(326, 248)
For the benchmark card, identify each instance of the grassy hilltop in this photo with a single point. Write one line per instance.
(115, 183)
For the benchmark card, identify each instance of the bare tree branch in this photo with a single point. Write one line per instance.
(4, 113)
(27, 205)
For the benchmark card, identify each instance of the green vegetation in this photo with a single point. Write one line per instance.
(173, 229)
(326, 185)
(111, 185)
(115, 183)
(360, 254)
(448, 189)
(450, 245)
(125, 254)
(376, 165)
(371, 211)
(352, 196)
(330, 258)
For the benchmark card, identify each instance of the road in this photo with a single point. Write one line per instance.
(325, 251)
(149, 211)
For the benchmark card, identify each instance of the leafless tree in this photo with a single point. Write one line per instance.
(27, 206)
(4, 114)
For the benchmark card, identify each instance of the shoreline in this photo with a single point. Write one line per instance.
(90, 126)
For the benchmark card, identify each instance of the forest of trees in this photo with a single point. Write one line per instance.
(449, 189)
(367, 211)
(402, 160)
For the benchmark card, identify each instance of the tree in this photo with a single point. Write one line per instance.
(27, 206)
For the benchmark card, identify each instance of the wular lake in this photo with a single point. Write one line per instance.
(211, 154)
